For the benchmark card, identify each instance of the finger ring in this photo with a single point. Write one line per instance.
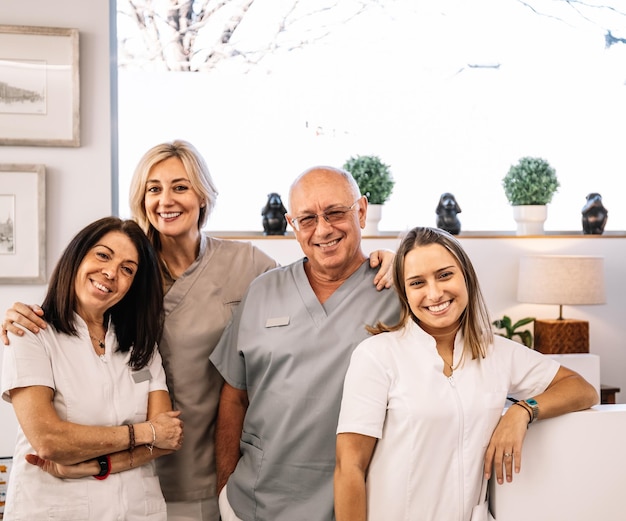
(507, 455)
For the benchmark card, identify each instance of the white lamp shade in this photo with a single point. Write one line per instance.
(561, 279)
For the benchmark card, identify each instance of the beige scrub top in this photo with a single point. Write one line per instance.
(291, 353)
(198, 306)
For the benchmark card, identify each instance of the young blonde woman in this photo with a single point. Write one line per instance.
(421, 424)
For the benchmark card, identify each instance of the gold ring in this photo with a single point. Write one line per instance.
(507, 455)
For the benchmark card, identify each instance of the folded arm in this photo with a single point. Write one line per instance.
(68, 443)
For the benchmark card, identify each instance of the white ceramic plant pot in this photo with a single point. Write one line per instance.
(530, 218)
(374, 212)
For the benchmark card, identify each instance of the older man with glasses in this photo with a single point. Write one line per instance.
(285, 355)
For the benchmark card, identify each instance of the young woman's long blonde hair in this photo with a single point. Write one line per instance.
(475, 322)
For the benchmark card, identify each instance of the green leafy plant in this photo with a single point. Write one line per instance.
(373, 177)
(510, 329)
(531, 181)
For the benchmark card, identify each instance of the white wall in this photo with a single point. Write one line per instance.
(78, 180)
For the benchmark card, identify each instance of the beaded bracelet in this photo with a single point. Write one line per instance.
(131, 437)
(131, 442)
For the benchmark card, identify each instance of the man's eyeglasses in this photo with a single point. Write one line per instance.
(335, 215)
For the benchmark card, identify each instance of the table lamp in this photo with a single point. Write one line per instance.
(562, 280)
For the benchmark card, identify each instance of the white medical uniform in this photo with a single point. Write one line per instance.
(88, 390)
(432, 430)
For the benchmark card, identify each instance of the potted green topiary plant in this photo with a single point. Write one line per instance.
(375, 181)
(529, 186)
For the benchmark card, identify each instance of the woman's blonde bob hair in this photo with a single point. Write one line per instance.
(475, 323)
(199, 177)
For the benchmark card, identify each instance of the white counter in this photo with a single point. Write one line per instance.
(573, 469)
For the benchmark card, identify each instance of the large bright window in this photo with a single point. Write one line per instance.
(449, 93)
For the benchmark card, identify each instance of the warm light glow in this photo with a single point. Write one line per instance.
(561, 280)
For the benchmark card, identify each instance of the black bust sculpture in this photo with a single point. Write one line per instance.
(595, 215)
(447, 209)
(274, 221)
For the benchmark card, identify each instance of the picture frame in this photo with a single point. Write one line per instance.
(5, 470)
(39, 86)
(22, 224)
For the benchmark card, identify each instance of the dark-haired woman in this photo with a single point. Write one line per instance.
(89, 391)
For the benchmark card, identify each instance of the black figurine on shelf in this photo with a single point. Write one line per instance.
(595, 215)
(447, 209)
(274, 221)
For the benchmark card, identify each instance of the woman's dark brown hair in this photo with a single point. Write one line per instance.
(138, 317)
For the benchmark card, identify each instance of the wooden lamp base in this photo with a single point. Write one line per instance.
(561, 336)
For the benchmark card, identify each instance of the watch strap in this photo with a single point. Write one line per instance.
(105, 467)
(528, 411)
(534, 407)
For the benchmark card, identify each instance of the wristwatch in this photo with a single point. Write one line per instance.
(105, 467)
(534, 407)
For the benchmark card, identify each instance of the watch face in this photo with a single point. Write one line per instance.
(532, 403)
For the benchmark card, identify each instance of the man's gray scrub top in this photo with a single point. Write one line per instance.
(291, 354)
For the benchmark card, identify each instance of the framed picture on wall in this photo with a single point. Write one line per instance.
(39, 86)
(5, 469)
(22, 224)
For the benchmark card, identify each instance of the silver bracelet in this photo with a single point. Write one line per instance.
(151, 445)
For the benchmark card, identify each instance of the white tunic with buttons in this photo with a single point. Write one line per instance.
(87, 391)
(432, 430)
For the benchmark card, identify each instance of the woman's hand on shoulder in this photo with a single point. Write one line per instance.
(27, 316)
